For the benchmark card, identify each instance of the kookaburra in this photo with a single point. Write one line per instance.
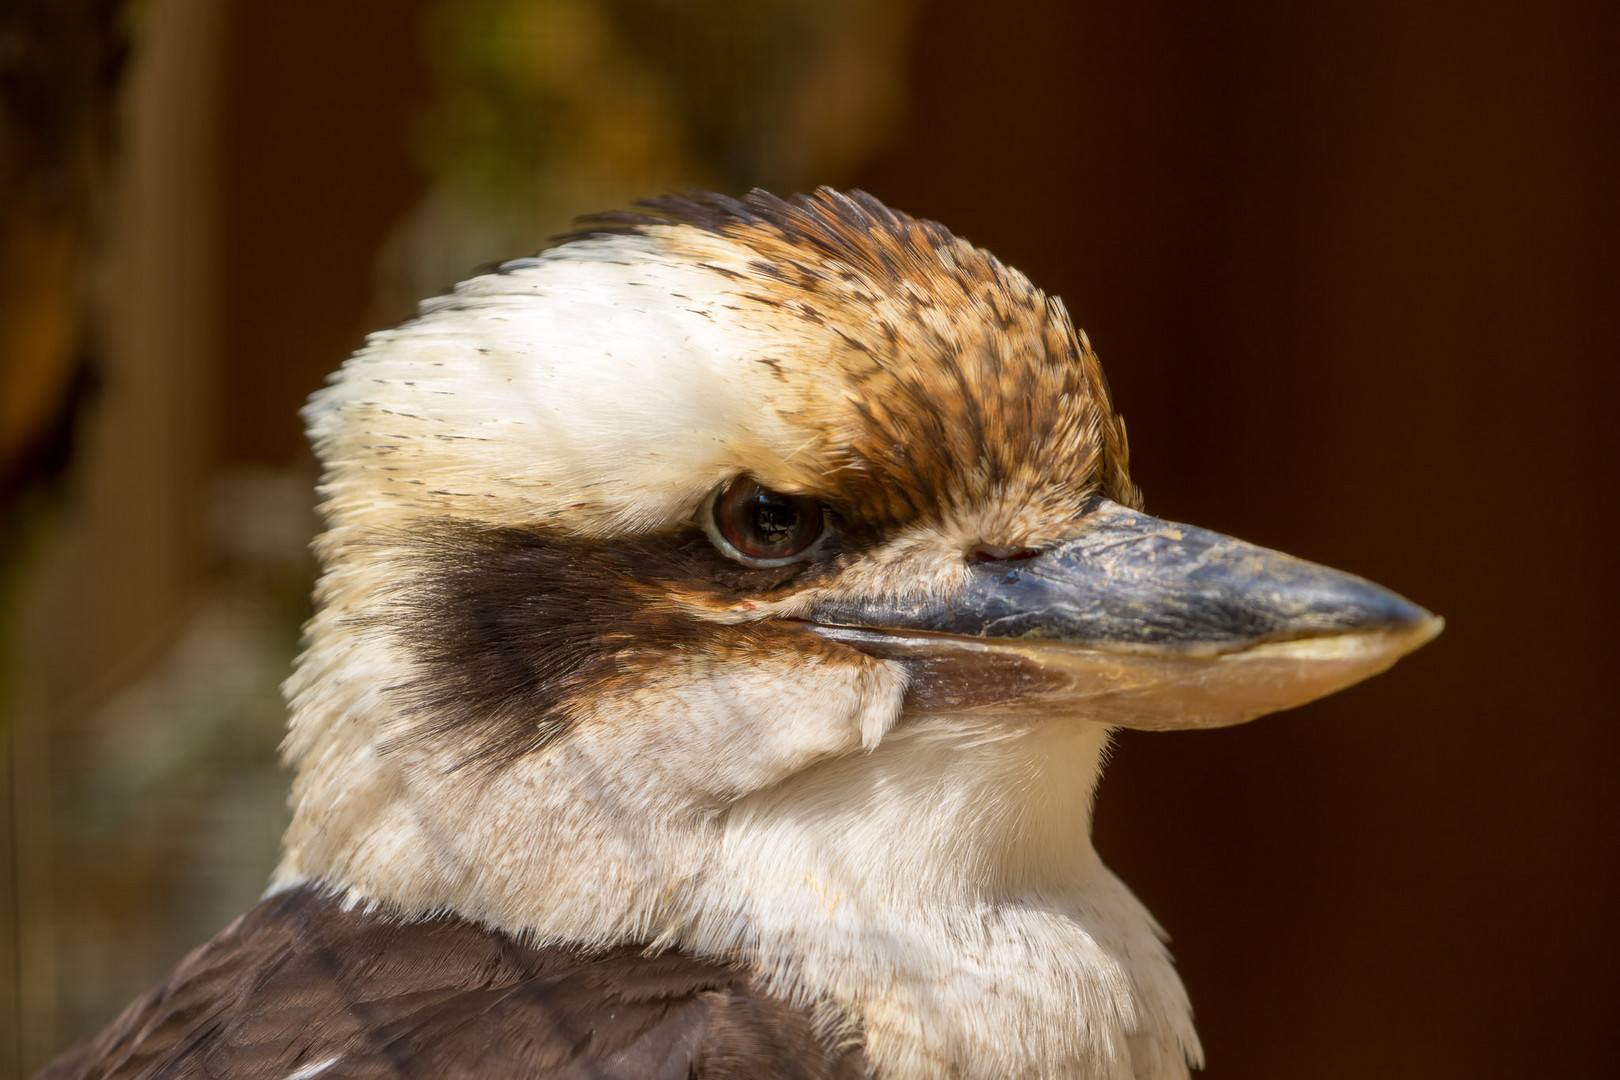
(722, 620)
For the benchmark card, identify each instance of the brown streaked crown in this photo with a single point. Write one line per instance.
(945, 378)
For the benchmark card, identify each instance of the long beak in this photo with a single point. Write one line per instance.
(1139, 622)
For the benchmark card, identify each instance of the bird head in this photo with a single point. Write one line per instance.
(634, 538)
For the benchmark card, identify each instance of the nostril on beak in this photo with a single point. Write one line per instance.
(989, 553)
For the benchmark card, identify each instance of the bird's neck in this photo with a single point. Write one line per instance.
(946, 808)
(943, 890)
(939, 890)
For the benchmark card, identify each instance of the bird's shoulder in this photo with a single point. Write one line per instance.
(300, 988)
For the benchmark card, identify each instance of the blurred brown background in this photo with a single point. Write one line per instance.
(1353, 268)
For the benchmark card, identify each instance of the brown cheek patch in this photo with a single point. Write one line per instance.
(512, 629)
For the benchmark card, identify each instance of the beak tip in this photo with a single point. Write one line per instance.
(1377, 608)
(1315, 601)
(1426, 629)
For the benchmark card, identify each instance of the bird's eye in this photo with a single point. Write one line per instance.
(762, 528)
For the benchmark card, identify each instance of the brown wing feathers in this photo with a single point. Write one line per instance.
(299, 982)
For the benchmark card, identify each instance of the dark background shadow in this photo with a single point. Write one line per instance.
(1353, 271)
